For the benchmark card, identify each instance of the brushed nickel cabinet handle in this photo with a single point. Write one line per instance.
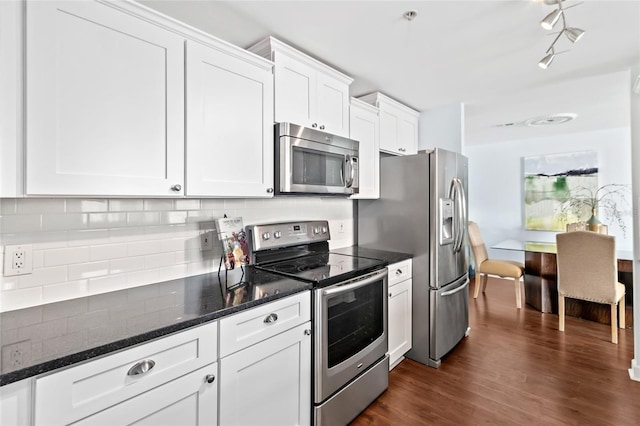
(307, 332)
(269, 190)
(271, 318)
(141, 367)
(177, 187)
(210, 378)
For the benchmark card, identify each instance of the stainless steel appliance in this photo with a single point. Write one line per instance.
(309, 161)
(350, 360)
(422, 210)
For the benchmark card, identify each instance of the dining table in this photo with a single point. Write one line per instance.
(540, 281)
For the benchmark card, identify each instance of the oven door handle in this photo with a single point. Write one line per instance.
(340, 288)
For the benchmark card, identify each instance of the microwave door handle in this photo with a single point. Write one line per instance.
(349, 163)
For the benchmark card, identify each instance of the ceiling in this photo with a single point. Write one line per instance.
(480, 53)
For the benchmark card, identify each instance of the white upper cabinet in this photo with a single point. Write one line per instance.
(364, 127)
(398, 125)
(229, 124)
(104, 102)
(307, 92)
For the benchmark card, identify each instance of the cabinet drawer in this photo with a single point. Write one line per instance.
(399, 272)
(77, 392)
(254, 325)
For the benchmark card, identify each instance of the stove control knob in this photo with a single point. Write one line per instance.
(277, 234)
(324, 230)
(316, 230)
(266, 236)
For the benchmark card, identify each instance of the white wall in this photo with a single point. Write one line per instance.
(442, 128)
(89, 246)
(634, 371)
(496, 182)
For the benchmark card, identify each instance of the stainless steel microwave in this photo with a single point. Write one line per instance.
(309, 161)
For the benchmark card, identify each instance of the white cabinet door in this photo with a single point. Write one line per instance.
(229, 125)
(399, 326)
(398, 131)
(104, 102)
(295, 91)
(268, 383)
(187, 401)
(389, 132)
(364, 127)
(15, 403)
(332, 102)
(408, 133)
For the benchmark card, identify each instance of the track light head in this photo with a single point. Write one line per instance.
(550, 20)
(574, 34)
(546, 61)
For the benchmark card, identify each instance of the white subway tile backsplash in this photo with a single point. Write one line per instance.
(88, 270)
(107, 220)
(64, 291)
(66, 256)
(7, 206)
(40, 205)
(87, 206)
(125, 205)
(21, 298)
(107, 251)
(85, 247)
(20, 223)
(174, 217)
(69, 221)
(186, 204)
(107, 283)
(158, 204)
(125, 265)
(43, 276)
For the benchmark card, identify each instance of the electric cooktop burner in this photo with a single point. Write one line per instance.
(324, 268)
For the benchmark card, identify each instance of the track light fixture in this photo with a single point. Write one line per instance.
(549, 21)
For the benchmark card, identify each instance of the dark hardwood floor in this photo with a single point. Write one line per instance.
(516, 368)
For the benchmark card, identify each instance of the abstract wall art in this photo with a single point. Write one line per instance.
(549, 181)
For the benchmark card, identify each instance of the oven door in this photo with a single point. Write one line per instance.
(350, 330)
(314, 167)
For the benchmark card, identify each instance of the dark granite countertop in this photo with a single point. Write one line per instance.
(371, 253)
(60, 334)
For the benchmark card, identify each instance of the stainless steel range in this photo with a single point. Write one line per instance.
(350, 360)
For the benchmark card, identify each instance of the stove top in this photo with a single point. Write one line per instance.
(323, 269)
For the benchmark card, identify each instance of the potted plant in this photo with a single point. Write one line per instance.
(585, 204)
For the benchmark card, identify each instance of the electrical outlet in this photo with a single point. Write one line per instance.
(206, 241)
(16, 355)
(341, 227)
(18, 260)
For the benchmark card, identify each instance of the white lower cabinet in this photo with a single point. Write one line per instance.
(268, 383)
(81, 392)
(189, 400)
(15, 403)
(399, 311)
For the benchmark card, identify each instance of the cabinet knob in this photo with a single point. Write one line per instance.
(314, 125)
(141, 367)
(402, 150)
(177, 187)
(210, 378)
(269, 190)
(322, 127)
(271, 318)
(307, 332)
(398, 271)
(390, 294)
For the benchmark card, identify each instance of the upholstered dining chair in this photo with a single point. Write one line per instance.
(486, 266)
(587, 270)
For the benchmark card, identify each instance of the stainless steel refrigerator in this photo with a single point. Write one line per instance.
(422, 210)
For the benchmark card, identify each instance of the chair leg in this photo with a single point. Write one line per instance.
(621, 312)
(561, 312)
(477, 289)
(614, 323)
(518, 296)
(485, 277)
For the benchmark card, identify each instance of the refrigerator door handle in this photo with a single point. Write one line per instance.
(462, 209)
(459, 214)
(450, 292)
